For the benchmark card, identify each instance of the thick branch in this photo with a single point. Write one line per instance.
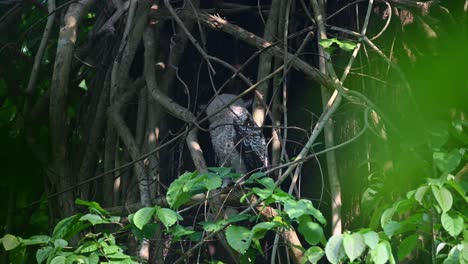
(58, 95)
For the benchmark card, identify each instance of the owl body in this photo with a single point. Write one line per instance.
(237, 141)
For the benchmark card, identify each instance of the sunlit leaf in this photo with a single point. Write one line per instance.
(452, 223)
(334, 249)
(353, 245)
(238, 237)
(143, 216)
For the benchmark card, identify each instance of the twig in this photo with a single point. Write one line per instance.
(187, 32)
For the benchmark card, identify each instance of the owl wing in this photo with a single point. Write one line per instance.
(251, 144)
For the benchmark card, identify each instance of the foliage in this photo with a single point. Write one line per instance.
(435, 209)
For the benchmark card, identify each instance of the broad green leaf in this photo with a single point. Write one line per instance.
(346, 45)
(237, 218)
(68, 227)
(296, 209)
(371, 239)
(36, 240)
(380, 253)
(238, 237)
(406, 246)
(180, 231)
(110, 249)
(60, 243)
(443, 197)
(43, 253)
(262, 193)
(313, 255)
(213, 226)
(457, 255)
(167, 216)
(391, 228)
(255, 176)
(452, 223)
(334, 249)
(176, 196)
(458, 188)
(446, 162)
(93, 258)
(92, 204)
(267, 182)
(143, 216)
(58, 260)
(419, 195)
(354, 245)
(76, 259)
(212, 182)
(94, 219)
(10, 242)
(387, 216)
(311, 231)
(89, 247)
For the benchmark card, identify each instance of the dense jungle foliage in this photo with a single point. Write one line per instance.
(107, 154)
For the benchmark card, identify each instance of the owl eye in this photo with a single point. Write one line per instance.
(229, 145)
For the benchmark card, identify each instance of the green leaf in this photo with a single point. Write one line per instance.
(238, 237)
(262, 193)
(313, 255)
(371, 239)
(176, 196)
(311, 231)
(343, 44)
(267, 182)
(43, 253)
(92, 204)
(391, 227)
(60, 243)
(83, 85)
(237, 218)
(213, 226)
(419, 195)
(167, 216)
(447, 162)
(353, 245)
(68, 227)
(110, 249)
(346, 45)
(387, 216)
(10, 242)
(93, 258)
(326, 43)
(406, 246)
(334, 249)
(36, 240)
(380, 253)
(443, 197)
(452, 223)
(180, 231)
(255, 176)
(259, 230)
(296, 209)
(88, 247)
(143, 216)
(58, 260)
(94, 219)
